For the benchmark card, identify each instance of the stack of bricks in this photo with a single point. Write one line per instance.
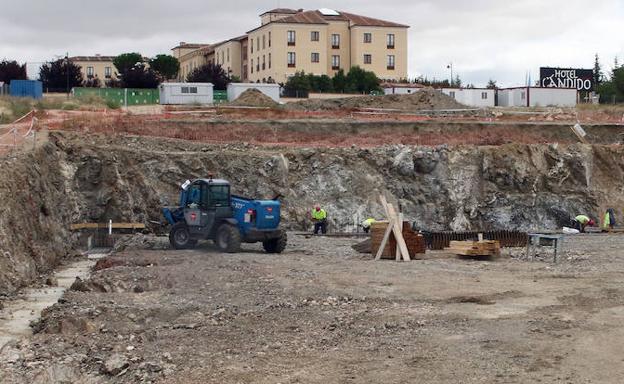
(415, 242)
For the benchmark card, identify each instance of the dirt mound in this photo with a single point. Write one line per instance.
(426, 99)
(254, 98)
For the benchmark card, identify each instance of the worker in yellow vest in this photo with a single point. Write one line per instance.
(366, 224)
(582, 221)
(319, 217)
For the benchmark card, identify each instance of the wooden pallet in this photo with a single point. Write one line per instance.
(475, 248)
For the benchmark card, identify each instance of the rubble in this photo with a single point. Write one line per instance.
(254, 98)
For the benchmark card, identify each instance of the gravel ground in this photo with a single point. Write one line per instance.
(322, 313)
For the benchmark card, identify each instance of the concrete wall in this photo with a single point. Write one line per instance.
(480, 98)
(536, 97)
(401, 90)
(235, 89)
(173, 93)
(560, 97)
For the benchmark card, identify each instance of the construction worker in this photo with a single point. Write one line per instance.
(319, 217)
(582, 221)
(366, 224)
(609, 220)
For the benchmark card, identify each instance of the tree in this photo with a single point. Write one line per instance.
(126, 61)
(139, 76)
(491, 84)
(93, 82)
(59, 75)
(325, 84)
(598, 75)
(340, 82)
(11, 70)
(362, 81)
(210, 73)
(457, 83)
(166, 66)
(298, 85)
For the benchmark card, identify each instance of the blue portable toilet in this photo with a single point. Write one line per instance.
(26, 88)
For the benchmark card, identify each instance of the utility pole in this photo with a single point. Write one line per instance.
(450, 66)
(67, 72)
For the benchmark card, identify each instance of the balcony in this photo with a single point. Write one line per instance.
(335, 67)
(390, 46)
(390, 67)
(335, 46)
(291, 43)
(291, 65)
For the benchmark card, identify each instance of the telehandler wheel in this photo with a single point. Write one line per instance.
(228, 238)
(180, 237)
(276, 245)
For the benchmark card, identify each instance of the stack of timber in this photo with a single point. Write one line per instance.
(475, 248)
(415, 242)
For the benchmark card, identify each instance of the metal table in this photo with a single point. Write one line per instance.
(534, 239)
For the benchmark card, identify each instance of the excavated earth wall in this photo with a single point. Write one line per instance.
(95, 178)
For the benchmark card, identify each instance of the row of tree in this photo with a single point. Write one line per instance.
(357, 80)
(610, 86)
(132, 71)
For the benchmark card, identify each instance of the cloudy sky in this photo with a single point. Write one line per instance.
(484, 39)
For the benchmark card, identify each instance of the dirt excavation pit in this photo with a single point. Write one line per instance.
(321, 312)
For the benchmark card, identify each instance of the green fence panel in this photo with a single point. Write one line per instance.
(220, 97)
(123, 96)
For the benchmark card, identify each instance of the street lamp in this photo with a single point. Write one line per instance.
(450, 66)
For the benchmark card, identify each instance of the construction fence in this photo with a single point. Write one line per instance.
(121, 96)
(21, 133)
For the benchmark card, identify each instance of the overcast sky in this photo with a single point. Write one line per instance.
(484, 39)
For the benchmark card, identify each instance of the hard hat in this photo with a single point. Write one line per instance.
(591, 222)
(318, 207)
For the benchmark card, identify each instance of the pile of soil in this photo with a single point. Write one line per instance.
(426, 99)
(254, 98)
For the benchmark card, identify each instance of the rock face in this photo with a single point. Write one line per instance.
(95, 179)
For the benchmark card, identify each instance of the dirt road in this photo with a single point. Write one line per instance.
(321, 313)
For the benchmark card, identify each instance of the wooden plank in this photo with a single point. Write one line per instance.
(385, 239)
(397, 250)
(398, 234)
(78, 226)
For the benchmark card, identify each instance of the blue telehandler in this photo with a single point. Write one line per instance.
(207, 211)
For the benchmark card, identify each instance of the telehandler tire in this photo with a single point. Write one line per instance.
(180, 237)
(228, 238)
(276, 245)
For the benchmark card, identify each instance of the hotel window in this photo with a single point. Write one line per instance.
(263, 62)
(335, 62)
(290, 37)
(269, 39)
(368, 59)
(390, 62)
(108, 72)
(258, 43)
(251, 68)
(258, 64)
(228, 55)
(185, 90)
(89, 71)
(263, 41)
(483, 95)
(292, 59)
(315, 36)
(368, 37)
(390, 42)
(335, 41)
(251, 46)
(269, 61)
(316, 57)
(192, 89)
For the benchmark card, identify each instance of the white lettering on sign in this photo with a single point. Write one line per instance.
(566, 78)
